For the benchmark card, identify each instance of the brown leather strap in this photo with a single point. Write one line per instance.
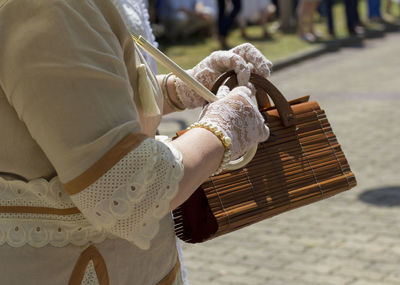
(285, 111)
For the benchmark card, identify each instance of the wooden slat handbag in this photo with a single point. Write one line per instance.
(301, 163)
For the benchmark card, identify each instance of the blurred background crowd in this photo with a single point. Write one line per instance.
(173, 20)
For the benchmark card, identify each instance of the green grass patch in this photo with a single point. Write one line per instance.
(187, 53)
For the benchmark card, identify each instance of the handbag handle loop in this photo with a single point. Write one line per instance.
(285, 111)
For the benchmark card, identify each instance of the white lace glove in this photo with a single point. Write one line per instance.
(237, 116)
(243, 59)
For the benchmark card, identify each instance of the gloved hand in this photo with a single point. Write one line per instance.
(243, 59)
(237, 116)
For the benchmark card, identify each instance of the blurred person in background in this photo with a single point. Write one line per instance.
(207, 8)
(207, 11)
(226, 19)
(305, 20)
(182, 18)
(374, 10)
(354, 26)
(286, 14)
(260, 11)
(326, 10)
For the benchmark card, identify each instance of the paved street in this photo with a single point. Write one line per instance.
(354, 237)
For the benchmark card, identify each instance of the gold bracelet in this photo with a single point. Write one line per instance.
(225, 140)
(165, 92)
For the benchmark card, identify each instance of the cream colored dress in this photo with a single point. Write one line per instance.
(84, 186)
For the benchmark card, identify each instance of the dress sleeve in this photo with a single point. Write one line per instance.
(132, 197)
(62, 68)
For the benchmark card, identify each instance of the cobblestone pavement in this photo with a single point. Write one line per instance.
(354, 237)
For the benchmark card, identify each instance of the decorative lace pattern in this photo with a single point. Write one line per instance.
(90, 277)
(243, 59)
(41, 230)
(131, 198)
(35, 193)
(238, 117)
(38, 230)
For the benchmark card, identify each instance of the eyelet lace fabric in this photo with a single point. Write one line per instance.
(134, 195)
(21, 227)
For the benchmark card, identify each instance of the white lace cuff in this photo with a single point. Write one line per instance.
(134, 195)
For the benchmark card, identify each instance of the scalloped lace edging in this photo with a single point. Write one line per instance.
(39, 233)
(35, 193)
(37, 230)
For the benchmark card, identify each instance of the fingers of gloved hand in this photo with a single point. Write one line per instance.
(242, 91)
(246, 91)
(252, 121)
(223, 91)
(238, 118)
(260, 64)
(222, 61)
(243, 59)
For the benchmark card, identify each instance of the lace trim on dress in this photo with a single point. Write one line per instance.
(35, 193)
(20, 225)
(39, 232)
(134, 195)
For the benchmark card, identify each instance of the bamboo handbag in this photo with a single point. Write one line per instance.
(301, 163)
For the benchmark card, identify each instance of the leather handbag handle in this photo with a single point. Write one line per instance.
(260, 83)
